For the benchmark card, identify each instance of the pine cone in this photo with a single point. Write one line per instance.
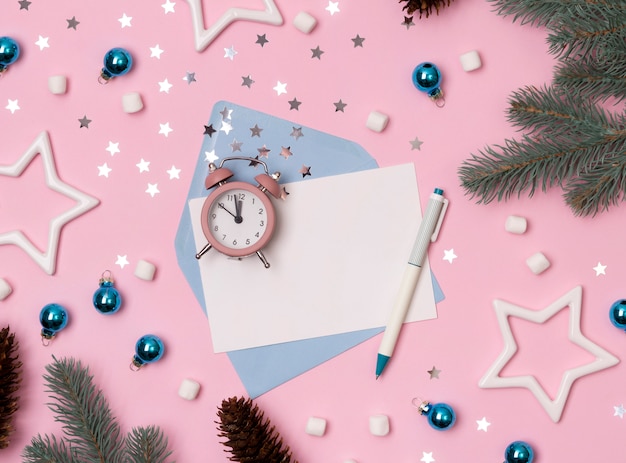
(424, 6)
(250, 436)
(10, 378)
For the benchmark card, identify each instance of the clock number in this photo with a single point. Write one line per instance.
(213, 215)
(216, 228)
(248, 241)
(260, 211)
(262, 224)
(234, 242)
(223, 237)
(256, 234)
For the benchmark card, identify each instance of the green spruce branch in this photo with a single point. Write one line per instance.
(91, 432)
(569, 140)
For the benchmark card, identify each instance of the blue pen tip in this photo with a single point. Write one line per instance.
(438, 191)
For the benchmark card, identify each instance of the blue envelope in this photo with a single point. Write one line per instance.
(233, 130)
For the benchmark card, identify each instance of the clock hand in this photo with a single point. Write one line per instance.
(222, 206)
(238, 217)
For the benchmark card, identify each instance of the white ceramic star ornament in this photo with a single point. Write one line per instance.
(46, 259)
(203, 37)
(554, 408)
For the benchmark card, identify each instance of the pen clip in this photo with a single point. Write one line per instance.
(444, 208)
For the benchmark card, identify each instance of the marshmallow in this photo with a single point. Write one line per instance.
(537, 263)
(304, 22)
(515, 224)
(57, 84)
(316, 426)
(470, 61)
(132, 102)
(5, 289)
(188, 389)
(379, 425)
(377, 121)
(145, 270)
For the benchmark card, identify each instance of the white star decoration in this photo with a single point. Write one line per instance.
(333, 7)
(600, 269)
(554, 408)
(125, 21)
(47, 259)
(483, 424)
(113, 148)
(155, 52)
(619, 411)
(280, 88)
(143, 165)
(12, 106)
(427, 457)
(104, 170)
(164, 86)
(210, 156)
(230, 53)
(174, 173)
(168, 6)
(152, 189)
(122, 261)
(203, 37)
(42, 42)
(165, 129)
(449, 255)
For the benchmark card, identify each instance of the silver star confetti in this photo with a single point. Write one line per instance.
(190, 77)
(72, 23)
(305, 170)
(286, 152)
(256, 131)
(263, 152)
(209, 130)
(296, 132)
(261, 40)
(294, 104)
(84, 122)
(236, 145)
(230, 53)
(416, 144)
(24, 4)
(247, 81)
(317, 53)
(408, 22)
(358, 41)
(434, 373)
(340, 105)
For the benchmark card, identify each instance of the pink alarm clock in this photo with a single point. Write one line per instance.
(238, 218)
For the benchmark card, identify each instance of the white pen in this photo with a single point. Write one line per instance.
(428, 231)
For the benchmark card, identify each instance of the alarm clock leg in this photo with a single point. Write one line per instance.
(204, 250)
(266, 264)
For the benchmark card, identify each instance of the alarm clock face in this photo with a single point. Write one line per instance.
(238, 219)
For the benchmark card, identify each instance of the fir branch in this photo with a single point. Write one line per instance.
(10, 379)
(147, 445)
(89, 425)
(599, 188)
(592, 78)
(48, 450)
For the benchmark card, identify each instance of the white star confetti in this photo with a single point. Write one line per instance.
(122, 261)
(333, 7)
(600, 269)
(103, 170)
(230, 53)
(12, 106)
(449, 255)
(165, 129)
(427, 457)
(113, 148)
(173, 173)
(125, 21)
(152, 189)
(155, 52)
(42, 42)
(164, 86)
(483, 424)
(210, 156)
(226, 127)
(168, 7)
(143, 165)
(619, 411)
(280, 88)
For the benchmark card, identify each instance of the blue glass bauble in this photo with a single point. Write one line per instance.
(117, 62)
(519, 452)
(107, 299)
(427, 78)
(440, 416)
(617, 314)
(149, 349)
(9, 52)
(53, 318)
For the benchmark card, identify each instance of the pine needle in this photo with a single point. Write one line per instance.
(48, 450)
(88, 423)
(147, 445)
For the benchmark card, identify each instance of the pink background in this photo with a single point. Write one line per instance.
(462, 342)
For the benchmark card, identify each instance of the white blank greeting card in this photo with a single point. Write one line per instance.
(337, 257)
